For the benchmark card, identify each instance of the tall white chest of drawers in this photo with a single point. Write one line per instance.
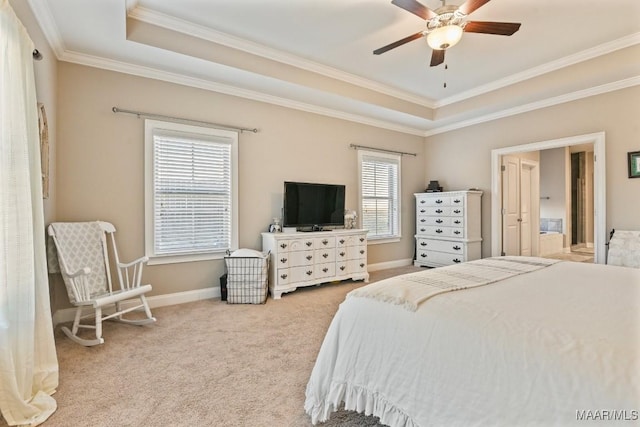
(448, 227)
(310, 258)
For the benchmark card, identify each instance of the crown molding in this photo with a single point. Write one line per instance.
(179, 25)
(549, 102)
(47, 23)
(156, 74)
(567, 61)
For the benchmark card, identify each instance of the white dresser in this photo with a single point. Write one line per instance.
(306, 259)
(448, 227)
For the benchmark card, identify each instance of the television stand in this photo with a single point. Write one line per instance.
(314, 257)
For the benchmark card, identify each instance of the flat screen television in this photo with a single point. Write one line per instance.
(313, 205)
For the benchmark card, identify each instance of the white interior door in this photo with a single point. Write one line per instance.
(510, 205)
(526, 230)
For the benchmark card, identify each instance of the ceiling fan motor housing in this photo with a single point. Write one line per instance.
(445, 30)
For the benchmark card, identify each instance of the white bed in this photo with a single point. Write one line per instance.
(546, 347)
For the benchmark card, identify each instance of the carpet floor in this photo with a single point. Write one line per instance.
(205, 363)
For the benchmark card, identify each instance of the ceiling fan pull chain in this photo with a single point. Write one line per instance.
(446, 67)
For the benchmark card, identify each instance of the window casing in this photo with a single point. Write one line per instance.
(379, 181)
(191, 196)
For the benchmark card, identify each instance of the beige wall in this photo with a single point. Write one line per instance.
(462, 158)
(100, 161)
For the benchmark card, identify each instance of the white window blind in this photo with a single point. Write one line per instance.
(192, 190)
(379, 194)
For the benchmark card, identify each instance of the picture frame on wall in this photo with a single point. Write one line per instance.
(634, 164)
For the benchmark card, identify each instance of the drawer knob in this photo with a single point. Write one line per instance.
(308, 243)
(423, 210)
(423, 255)
(456, 201)
(283, 260)
(325, 269)
(341, 241)
(456, 232)
(423, 243)
(283, 245)
(361, 265)
(422, 201)
(423, 229)
(308, 257)
(438, 231)
(283, 276)
(456, 248)
(457, 221)
(438, 210)
(456, 260)
(456, 211)
(309, 272)
(342, 253)
(342, 267)
(422, 220)
(438, 201)
(439, 221)
(362, 239)
(324, 255)
(325, 241)
(361, 251)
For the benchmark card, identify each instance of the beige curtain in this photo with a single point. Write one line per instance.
(28, 362)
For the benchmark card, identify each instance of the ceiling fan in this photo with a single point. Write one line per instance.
(446, 25)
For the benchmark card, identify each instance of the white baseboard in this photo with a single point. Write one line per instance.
(390, 264)
(67, 314)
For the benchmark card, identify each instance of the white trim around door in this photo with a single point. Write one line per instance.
(599, 187)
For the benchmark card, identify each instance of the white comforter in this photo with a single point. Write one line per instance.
(543, 348)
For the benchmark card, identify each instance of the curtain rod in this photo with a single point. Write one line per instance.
(384, 150)
(160, 116)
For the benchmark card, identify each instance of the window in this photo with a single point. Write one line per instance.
(190, 192)
(379, 194)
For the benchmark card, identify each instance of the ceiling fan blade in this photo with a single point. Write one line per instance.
(498, 28)
(416, 8)
(437, 57)
(398, 43)
(471, 5)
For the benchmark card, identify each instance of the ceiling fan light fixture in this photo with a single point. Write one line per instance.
(444, 37)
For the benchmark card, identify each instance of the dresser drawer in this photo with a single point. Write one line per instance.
(442, 258)
(440, 246)
(434, 201)
(283, 276)
(295, 245)
(324, 242)
(435, 220)
(282, 259)
(356, 266)
(325, 270)
(357, 252)
(299, 258)
(302, 274)
(325, 255)
(443, 231)
(342, 242)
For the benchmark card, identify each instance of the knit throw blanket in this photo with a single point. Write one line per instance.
(410, 290)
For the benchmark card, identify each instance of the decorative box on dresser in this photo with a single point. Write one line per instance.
(448, 227)
(311, 258)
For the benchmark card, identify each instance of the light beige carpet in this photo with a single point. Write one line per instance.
(205, 363)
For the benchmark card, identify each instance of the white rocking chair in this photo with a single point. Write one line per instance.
(84, 263)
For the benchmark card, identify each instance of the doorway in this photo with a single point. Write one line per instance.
(599, 187)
